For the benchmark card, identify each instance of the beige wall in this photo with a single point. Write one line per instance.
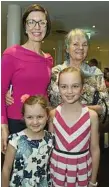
(102, 54)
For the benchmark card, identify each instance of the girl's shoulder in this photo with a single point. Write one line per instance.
(15, 136)
(93, 115)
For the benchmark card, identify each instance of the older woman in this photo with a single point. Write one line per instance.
(76, 43)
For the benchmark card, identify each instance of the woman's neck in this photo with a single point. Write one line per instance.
(33, 46)
(75, 63)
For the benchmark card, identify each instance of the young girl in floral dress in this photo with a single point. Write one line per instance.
(28, 151)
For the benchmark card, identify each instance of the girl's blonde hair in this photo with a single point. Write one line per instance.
(37, 99)
(71, 70)
(72, 34)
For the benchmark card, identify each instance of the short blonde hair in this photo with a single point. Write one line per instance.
(71, 70)
(72, 34)
(36, 99)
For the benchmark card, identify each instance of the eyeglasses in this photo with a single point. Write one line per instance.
(32, 23)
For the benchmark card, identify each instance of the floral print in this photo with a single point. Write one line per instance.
(93, 81)
(30, 166)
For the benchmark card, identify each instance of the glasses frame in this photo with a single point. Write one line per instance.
(36, 22)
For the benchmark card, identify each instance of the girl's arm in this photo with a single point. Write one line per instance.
(94, 145)
(7, 167)
(50, 121)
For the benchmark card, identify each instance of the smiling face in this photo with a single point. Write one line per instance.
(35, 117)
(36, 26)
(78, 46)
(70, 86)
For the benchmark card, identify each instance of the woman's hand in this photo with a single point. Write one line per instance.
(89, 185)
(9, 98)
(4, 137)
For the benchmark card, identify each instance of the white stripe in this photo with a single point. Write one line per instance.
(71, 179)
(57, 175)
(84, 164)
(60, 145)
(63, 166)
(81, 144)
(62, 177)
(72, 137)
(82, 177)
(89, 161)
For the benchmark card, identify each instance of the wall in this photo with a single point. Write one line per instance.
(102, 55)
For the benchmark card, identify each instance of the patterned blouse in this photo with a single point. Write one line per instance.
(30, 167)
(94, 80)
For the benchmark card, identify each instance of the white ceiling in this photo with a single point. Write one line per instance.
(67, 15)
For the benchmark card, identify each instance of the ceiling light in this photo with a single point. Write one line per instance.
(98, 47)
(93, 26)
(89, 32)
(54, 48)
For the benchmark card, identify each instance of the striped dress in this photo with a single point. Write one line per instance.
(71, 163)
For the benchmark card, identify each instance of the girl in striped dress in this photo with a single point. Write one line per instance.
(75, 158)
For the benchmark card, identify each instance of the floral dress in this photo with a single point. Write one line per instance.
(93, 81)
(30, 167)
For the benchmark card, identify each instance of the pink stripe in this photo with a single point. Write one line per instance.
(62, 183)
(58, 182)
(58, 170)
(86, 146)
(74, 143)
(59, 158)
(71, 130)
(83, 183)
(70, 184)
(64, 160)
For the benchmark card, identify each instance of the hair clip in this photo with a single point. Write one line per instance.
(24, 97)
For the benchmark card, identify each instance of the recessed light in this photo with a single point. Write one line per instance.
(98, 47)
(93, 26)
